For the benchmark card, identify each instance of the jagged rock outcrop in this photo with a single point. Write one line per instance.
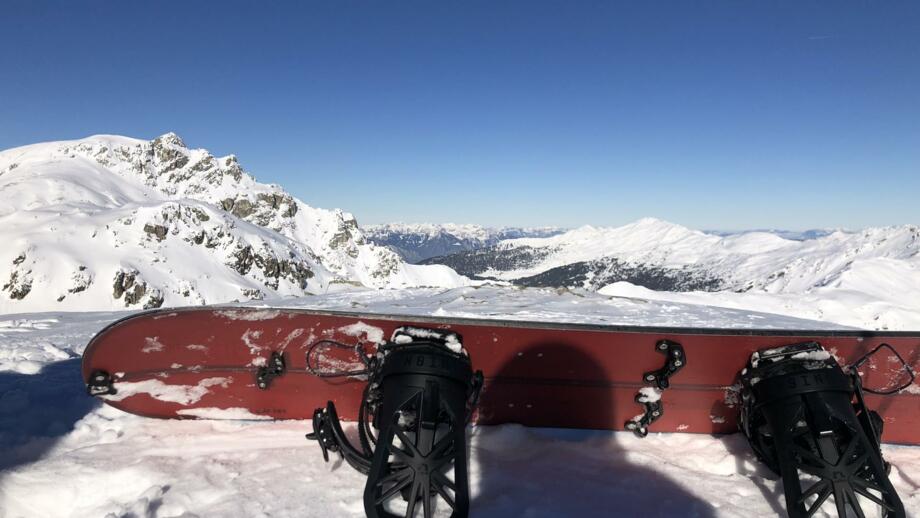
(194, 228)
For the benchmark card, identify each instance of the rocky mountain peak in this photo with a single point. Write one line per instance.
(114, 221)
(169, 139)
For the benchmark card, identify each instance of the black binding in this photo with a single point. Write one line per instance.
(806, 419)
(650, 398)
(420, 395)
(675, 360)
(275, 367)
(100, 383)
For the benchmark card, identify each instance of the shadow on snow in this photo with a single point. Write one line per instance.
(561, 479)
(36, 410)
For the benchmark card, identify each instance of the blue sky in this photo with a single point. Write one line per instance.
(717, 115)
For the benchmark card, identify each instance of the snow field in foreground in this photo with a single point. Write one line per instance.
(63, 454)
(118, 465)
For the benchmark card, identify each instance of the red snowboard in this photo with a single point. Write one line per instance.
(203, 363)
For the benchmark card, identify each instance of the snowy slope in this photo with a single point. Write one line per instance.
(867, 279)
(756, 260)
(420, 241)
(107, 222)
(63, 455)
(795, 235)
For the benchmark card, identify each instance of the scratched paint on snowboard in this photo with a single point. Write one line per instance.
(202, 363)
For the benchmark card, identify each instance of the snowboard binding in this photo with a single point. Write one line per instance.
(806, 419)
(275, 367)
(420, 395)
(100, 383)
(650, 397)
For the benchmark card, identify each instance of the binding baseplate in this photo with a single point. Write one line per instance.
(274, 367)
(805, 418)
(650, 397)
(100, 383)
(420, 395)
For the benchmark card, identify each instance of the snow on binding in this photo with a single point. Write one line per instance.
(650, 397)
(807, 420)
(420, 393)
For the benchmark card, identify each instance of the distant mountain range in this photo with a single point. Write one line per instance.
(108, 221)
(417, 242)
(668, 257)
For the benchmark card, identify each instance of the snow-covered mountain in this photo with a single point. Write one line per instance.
(107, 221)
(868, 278)
(663, 256)
(417, 242)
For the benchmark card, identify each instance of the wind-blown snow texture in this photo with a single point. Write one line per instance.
(868, 278)
(64, 455)
(108, 222)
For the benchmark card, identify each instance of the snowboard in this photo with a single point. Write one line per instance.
(251, 363)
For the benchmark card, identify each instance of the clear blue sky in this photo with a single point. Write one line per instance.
(722, 115)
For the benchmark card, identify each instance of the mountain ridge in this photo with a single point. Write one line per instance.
(107, 216)
(682, 259)
(416, 242)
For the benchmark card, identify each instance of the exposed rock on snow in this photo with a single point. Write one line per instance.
(110, 221)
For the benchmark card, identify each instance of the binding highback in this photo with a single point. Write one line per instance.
(805, 418)
(420, 394)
